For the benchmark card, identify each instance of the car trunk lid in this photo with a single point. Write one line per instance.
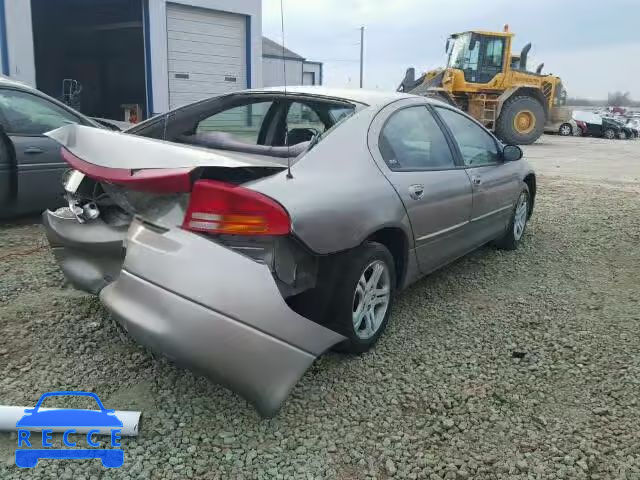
(122, 151)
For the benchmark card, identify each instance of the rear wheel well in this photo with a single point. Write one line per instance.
(396, 242)
(530, 180)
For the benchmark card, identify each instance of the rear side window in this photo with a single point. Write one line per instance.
(339, 113)
(28, 114)
(476, 145)
(412, 140)
(243, 122)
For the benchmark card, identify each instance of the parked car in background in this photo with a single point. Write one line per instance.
(626, 132)
(634, 125)
(31, 167)
(595, 125)
(269, 226)
(564, 128)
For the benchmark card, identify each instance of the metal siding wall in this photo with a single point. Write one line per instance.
(158, 38)
(273, 74)
(19, 44)
(206, 49)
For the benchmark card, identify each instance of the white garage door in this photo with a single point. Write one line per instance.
(206, 52)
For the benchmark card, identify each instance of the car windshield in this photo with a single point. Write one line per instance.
(459, 54)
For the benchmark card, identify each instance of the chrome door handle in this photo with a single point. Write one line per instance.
(476, 180)
(416, 191)
(33, 150)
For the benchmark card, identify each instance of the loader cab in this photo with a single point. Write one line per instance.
(480, 55)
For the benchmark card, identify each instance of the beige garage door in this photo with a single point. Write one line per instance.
(206, 53)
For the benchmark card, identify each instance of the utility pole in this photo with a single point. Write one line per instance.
(361, 54)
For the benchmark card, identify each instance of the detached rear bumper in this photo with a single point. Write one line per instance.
(90, 255)
(215, 311)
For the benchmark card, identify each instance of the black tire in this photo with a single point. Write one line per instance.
(565, 130)
(505, 124)
(609, 134)
(511, 240)
(340, 312)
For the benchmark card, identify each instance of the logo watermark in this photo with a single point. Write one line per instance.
(77, 424)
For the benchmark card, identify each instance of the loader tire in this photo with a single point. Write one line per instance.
(521, 121)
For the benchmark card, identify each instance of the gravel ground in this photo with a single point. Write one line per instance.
(518, 364)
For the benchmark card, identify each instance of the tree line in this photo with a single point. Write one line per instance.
(614, 99)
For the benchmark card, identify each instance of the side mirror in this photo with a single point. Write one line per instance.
(511, 153)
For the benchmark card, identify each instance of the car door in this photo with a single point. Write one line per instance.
(594, 129)
(495, 183)
(416, 157)
(38, 165)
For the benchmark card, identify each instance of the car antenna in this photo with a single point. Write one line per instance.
(284, 72)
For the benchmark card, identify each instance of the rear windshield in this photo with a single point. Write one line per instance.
(272, 125)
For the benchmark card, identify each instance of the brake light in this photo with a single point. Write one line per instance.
(218, 207)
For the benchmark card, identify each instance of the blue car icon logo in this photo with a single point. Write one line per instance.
(70, 419)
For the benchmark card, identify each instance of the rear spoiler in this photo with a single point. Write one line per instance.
(109, 149)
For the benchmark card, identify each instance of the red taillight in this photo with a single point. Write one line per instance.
(157, 180)
(218, 207)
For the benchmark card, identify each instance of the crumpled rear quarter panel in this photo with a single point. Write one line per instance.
(216, 311)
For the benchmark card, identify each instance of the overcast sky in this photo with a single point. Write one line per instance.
(595, 48)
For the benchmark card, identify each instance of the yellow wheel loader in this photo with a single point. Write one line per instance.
(485, 80)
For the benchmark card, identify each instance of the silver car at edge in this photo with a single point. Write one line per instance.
(244, 235)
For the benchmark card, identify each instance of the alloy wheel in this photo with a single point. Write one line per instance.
(520, 218)
(371, 299)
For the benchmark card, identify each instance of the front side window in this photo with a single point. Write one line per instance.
(476, 145)
(412, 140)
(242, 122)
(28, 114)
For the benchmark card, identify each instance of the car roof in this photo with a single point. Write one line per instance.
(368, 97)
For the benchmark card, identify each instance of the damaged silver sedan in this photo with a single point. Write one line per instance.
(243, 236)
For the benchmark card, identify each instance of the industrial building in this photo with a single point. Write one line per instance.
(276, 60)
(149, 55)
